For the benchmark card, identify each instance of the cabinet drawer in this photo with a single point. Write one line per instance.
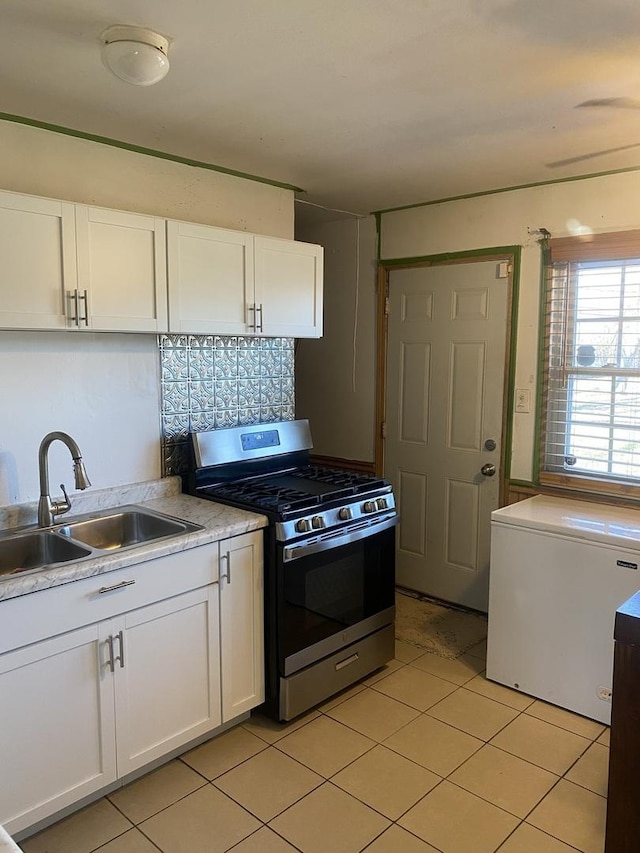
(33, 617)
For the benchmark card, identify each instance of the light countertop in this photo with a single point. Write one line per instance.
(217, 520)
(7, 844)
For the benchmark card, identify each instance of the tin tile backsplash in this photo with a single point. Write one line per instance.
(211, 382)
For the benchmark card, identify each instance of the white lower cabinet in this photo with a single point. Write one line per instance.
(89, 706)
(166, 668)
(241, 624)
(57, 733)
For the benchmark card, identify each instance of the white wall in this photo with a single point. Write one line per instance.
(608, 203)
(103, 388)
(341, 415)
(41, 162)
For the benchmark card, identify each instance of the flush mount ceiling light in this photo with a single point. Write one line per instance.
(135, 55)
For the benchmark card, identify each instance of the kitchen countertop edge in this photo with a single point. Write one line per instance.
(217, 520)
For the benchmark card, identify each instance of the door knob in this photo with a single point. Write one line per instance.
(488, 469)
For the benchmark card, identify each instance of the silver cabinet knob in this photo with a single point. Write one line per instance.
(488, 469)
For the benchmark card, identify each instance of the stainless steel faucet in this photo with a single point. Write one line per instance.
(48, 509)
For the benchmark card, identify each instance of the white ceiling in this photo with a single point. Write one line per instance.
(365, 104)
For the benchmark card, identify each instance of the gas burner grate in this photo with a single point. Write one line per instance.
(340, 478)
(263, 495)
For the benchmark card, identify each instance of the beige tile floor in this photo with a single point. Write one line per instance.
(423, 756)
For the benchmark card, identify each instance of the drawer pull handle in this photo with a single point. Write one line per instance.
(104, 589)
(347, 662)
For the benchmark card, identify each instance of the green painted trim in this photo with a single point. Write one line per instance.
(523, 483)
(452, 256)
(511, 378)
(149, 152)
(510, 189)
(542, 311)
(378, 235)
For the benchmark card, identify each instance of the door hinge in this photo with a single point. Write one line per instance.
(504, 269)
(387, 306)
(383, 429)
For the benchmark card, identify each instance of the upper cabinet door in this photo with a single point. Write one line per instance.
(288, 287)
(122, 283)
(38, 251)
(210, 279)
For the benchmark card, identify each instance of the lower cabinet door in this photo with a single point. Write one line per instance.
(167, 675)
(57, 740)
(241, 624)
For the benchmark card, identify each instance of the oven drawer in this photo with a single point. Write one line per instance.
(312, 685)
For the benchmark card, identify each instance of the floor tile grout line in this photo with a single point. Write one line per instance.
(273, 817)
(589, 739)
(100, 846)
(495, 805)
(264, 826)
(282, 736)
(571, 731)
(133, 828)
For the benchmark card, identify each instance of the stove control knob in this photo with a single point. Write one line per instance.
(344, 514)
(381, 503)
(303, 525)
(369, 506)
(317, 522)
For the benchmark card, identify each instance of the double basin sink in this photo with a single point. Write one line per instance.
(126, 527)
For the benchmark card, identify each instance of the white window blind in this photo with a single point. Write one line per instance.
(591, 400)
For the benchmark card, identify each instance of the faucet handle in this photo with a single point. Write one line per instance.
(60, 507)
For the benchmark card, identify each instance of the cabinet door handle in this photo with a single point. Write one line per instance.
(72, 300)
(255, 318)
(226, 575)
(259, 311)
(104, 589)
(110, 661)
(120, 657)
(85, 298)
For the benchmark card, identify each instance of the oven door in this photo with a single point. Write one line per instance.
(334, 590)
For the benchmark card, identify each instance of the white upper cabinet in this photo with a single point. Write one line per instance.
(38, 251)
(122, 282)
(288, 287)
(233, 283)
(210, 279)
(72, 266)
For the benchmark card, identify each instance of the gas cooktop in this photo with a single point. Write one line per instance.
(266, 468)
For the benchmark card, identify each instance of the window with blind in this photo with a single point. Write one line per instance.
(591, 399)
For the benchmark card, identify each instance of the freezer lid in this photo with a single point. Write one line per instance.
(596, 522)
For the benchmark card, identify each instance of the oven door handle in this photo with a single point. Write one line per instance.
(295, 552)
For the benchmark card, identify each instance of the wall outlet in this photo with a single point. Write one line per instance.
(523, 400)
(604, 693)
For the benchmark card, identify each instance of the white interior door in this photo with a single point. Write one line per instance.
(445, 376)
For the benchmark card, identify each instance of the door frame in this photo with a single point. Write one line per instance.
(512, 255)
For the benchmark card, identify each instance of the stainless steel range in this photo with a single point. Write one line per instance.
(329, 557)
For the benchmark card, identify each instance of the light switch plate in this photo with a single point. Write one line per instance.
(523, 400)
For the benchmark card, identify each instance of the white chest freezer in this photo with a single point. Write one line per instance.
(559, 570)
